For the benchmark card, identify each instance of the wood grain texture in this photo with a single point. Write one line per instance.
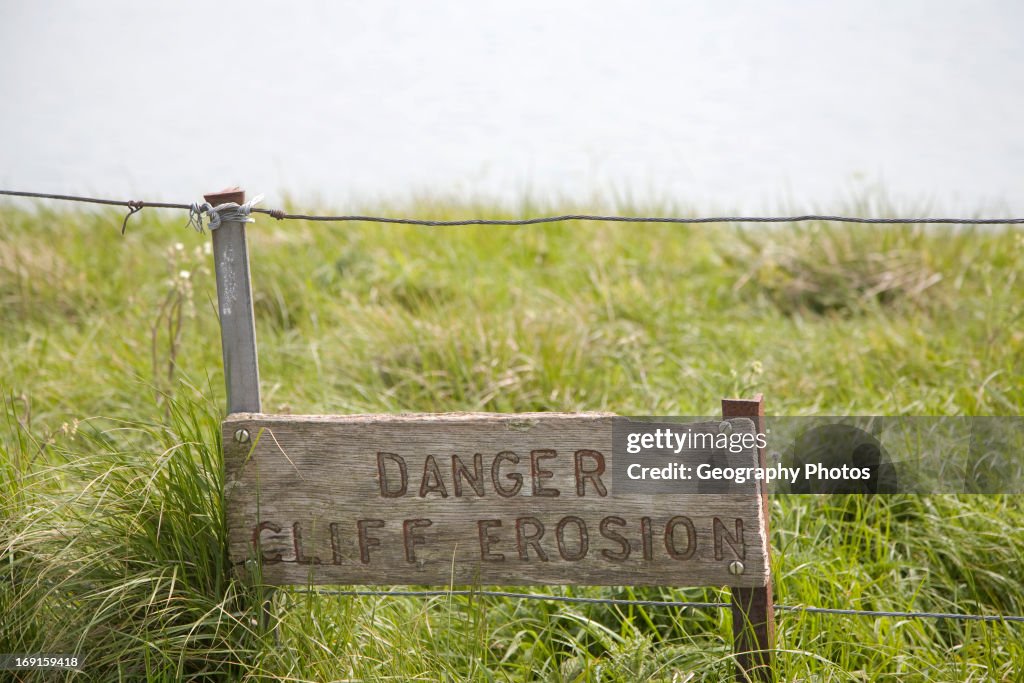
(515, 499)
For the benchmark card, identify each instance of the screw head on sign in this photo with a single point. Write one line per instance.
(242, 435)
(736, 568)
(725, 427)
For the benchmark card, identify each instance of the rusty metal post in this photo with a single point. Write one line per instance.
(753, 609)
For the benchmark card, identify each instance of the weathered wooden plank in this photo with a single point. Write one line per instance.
(472, 499)
(234, 304)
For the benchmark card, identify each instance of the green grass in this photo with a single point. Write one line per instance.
(111, 517)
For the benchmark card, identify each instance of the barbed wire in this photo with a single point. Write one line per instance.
(547, 597)
(134, 206)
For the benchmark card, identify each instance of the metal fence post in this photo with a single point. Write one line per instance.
(234, 304)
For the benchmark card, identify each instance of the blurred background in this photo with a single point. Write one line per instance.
(742, 106)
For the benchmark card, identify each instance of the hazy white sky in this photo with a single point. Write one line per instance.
(740, 105)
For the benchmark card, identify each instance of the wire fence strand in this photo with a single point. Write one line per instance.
(136, 205)
(679, 220)
(547, 597)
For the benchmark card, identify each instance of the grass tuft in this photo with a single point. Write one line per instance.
(831, 269)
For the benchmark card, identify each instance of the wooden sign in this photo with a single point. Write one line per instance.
(472, 498)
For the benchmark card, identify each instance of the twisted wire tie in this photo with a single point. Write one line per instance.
(134, 206)
(222, 213)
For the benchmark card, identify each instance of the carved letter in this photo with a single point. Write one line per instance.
(483, 528)
(584, 543)
(366, 541)
(432, 472)
(540, 473)
(515, 476)
(260, 528)
(382, 475)
(670, 540)
(612, 535)
(594, 474)
(301, 557)
(646, 538)
(459, 470)
(523, 539)
(721, 533)
(335, 542)
(409, 528)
